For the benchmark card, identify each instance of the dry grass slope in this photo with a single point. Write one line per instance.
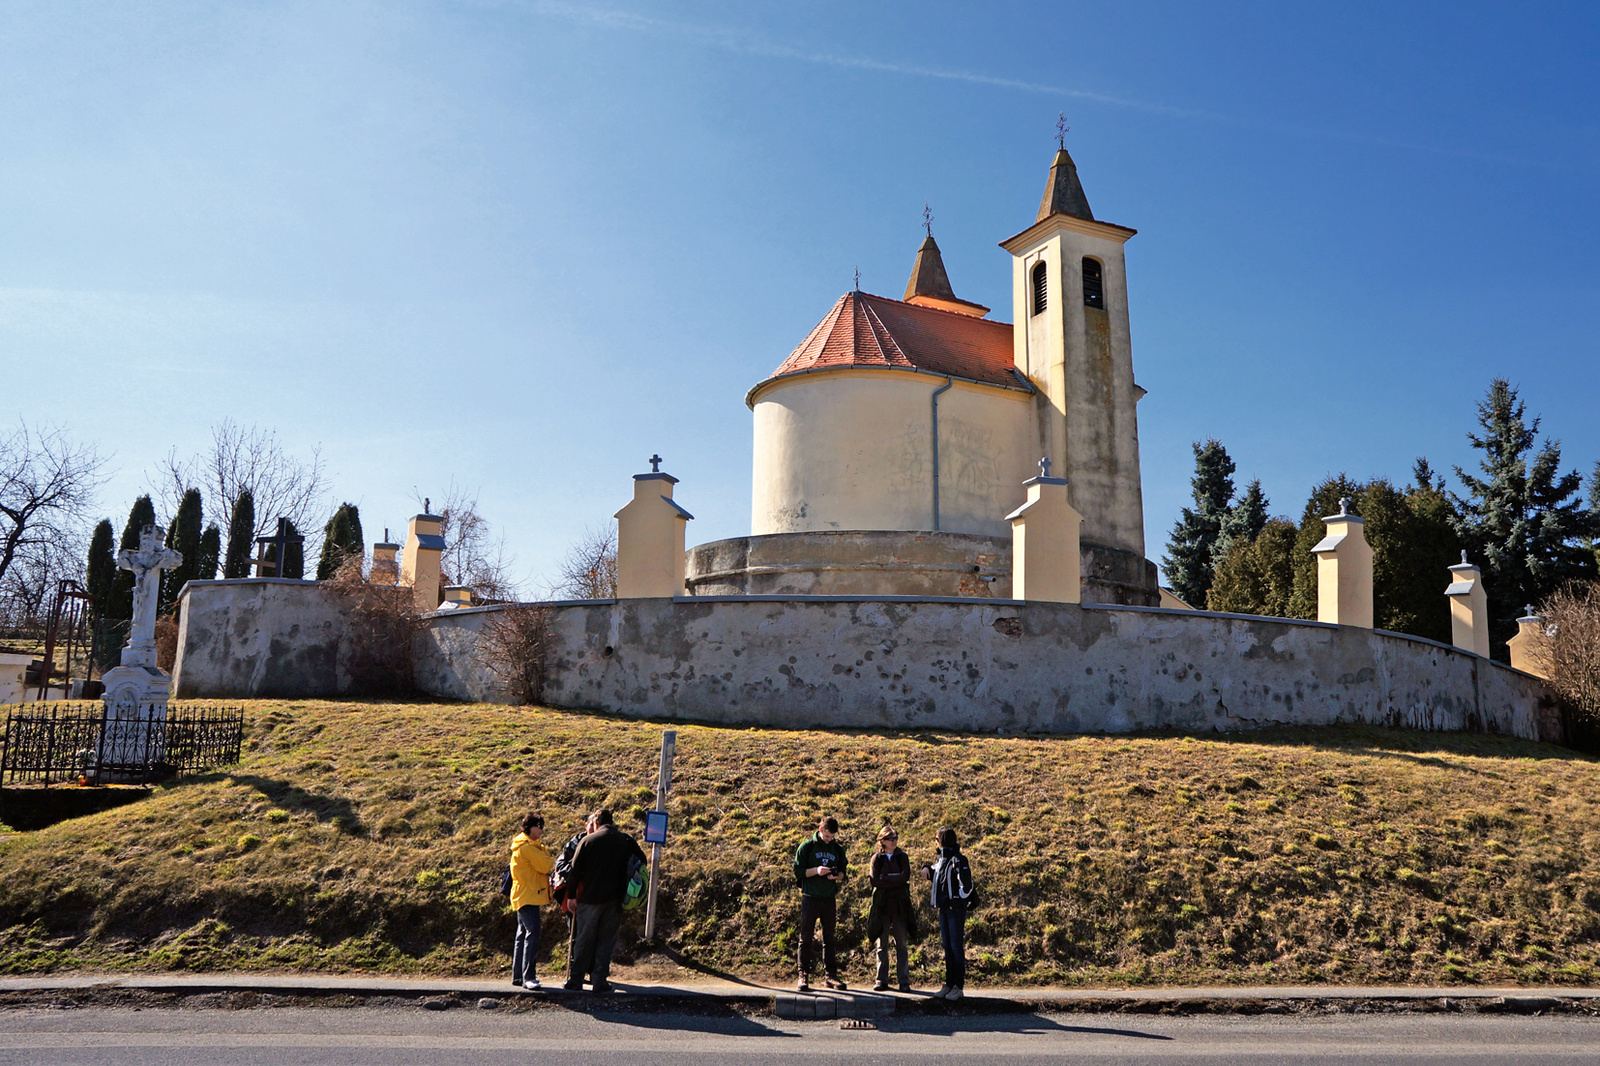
(369, 836)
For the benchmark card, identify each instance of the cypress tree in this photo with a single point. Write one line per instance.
(184, 535)
(341, 539)
(210, 549)
(100, 576)
(1188, 562)
(241, 537)
(1523, 522)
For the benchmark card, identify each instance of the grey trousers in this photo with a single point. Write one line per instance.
(896, 931)
(594, 938)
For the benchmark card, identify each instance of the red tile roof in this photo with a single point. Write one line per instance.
(863, 330)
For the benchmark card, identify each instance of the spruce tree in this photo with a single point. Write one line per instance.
(1257, 574)
(1188, 561)
(241, 537)
(341, 539)
(1244, 521)
(183, 534)
(1523, 523)
(210, 550)
(1324, 501)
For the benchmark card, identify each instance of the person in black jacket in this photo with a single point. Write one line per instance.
(892, 916)
(600, 872)
(952, 896)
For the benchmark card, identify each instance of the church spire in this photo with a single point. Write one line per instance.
(927, 275)
(1064, 194)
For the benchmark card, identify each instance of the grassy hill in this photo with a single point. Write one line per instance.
(370, 836)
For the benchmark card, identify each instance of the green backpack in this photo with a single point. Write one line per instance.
(638, 884)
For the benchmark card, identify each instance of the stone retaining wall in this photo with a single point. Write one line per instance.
(990, 665)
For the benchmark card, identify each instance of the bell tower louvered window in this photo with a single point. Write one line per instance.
(1094, 289)
(1041, 289)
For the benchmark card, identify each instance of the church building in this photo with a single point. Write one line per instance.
(893, 442)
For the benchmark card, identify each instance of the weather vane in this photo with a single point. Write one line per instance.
(927, 219)
(1061, 130)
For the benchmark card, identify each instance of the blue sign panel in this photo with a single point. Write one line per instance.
(655, 827)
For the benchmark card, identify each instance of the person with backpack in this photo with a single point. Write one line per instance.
(892, 914)
(819, 867)
(954, 895)
(601, 870)
(562, 890)
(531, 864)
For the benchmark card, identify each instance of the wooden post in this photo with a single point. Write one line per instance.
(669, 743)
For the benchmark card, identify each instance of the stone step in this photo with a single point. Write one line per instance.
(826, 1006)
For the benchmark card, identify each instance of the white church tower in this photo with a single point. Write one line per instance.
(1071, 339)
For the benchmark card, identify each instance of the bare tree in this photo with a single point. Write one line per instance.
(47, 484)
(513, 646)
(241, 458)
(1570, 652)
(472, 555)
(589, 569)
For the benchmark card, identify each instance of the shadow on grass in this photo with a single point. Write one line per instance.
(291, 797)
(28, 809)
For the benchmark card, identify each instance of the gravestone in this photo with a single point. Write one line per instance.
(136, 690)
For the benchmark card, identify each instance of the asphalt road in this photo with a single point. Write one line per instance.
(408, 1035)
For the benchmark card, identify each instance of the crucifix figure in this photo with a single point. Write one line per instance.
(1061, 130)
(146, 561)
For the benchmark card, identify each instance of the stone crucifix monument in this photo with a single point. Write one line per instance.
(137, 689)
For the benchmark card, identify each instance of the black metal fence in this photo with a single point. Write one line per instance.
(77, 742)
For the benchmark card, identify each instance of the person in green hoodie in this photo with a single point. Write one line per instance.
(819, 868)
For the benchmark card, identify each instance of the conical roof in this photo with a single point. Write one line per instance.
(930, 285)
(1064, 194)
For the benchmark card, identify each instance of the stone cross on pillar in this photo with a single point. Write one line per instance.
(146, 561)
(1045, 546)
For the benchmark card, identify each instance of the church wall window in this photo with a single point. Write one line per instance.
(1041, 288)
(1094, 287)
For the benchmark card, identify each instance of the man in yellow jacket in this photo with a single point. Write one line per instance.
(531, 863)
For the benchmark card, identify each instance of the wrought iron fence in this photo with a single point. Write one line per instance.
(61, 741)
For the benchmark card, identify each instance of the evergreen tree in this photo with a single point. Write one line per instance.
(210, 550)
(341, 540)
(241, 537)
(294, 557)
(1257, 574)
(1244, 521)
(1324, 501)
(1413, 544)
(1523, 523)
(100, 576)
(1188, 562)
(183, 534)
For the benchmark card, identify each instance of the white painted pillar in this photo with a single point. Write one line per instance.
(650, 538)
(1469, 608)
(1044, 542)
(1344, 571)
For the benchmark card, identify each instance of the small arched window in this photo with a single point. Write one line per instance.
(1094, 288)
(1041, 289)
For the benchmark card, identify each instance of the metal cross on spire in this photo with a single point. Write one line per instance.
(858, 279)
(655, 464)
(1061, 129)
(927, 219)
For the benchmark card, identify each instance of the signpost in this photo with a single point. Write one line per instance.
(655, 827)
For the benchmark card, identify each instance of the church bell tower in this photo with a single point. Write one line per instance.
(1072, 340)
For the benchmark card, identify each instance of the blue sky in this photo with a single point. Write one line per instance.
(524, 245)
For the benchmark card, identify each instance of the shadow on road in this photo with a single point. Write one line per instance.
(1020, 1024)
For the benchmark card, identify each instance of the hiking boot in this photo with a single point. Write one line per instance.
(604, 988)
(834, 982)
(881, 986)
(944, 990)
(804, 985)
(905, 986)
(573, 986)
(953, 995)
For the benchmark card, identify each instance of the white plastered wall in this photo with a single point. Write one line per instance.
(853, 449)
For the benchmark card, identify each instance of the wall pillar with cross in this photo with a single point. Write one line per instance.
(650, 538)
(1045, 562)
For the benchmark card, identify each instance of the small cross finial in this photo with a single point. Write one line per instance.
(1464, 558)
(858, 279)
(386, 534)
(1527, 612)
(927, 219)
(1344, 505)
(427, 505)
(655, 464)
(1044, 466)
(1061, 130)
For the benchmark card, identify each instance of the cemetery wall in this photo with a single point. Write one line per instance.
(261, 637)
(874, 662)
